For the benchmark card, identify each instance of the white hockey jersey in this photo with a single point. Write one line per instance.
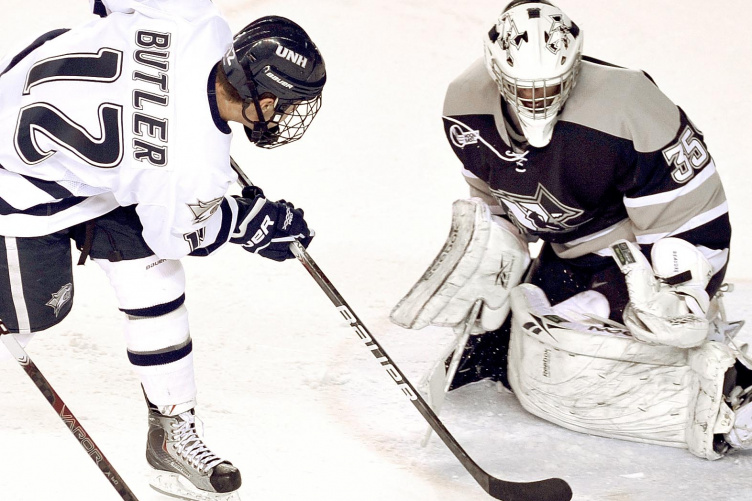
(118, 112)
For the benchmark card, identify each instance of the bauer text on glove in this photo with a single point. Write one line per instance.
(267, 228)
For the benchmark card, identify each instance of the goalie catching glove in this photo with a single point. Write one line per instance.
(267, 228)
(484, 257)
(667, 301)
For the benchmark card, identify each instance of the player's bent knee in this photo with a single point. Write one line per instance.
(146, 287)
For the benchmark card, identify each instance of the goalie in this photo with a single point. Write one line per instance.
(617, 328)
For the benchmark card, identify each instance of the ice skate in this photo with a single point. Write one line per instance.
(184, 467)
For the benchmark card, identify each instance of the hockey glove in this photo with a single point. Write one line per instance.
(667, 301)
(267, 228)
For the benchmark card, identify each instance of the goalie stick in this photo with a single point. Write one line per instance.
(551, 489)
(94, 452)
(436, 395)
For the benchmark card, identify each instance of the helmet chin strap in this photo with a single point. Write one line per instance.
(260, 127)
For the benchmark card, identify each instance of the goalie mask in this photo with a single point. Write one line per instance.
(533, 53)
(273, 55)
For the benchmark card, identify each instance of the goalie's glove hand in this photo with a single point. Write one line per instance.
(667, 305)
(267, 228)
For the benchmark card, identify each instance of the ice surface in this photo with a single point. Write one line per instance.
(287, 392)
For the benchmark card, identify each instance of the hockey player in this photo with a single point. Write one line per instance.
(115, 134)
(597, 163)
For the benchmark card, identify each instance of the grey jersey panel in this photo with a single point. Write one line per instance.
(605, 98)
(599, 93)
(475, 93)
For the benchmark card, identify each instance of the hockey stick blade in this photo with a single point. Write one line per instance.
(551, 489)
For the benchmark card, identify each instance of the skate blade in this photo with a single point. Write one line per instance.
(177, 486)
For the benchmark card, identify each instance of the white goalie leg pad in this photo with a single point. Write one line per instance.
(709, 414)
(668, 303)
(157, 332)
(484, 257)
(597, 379)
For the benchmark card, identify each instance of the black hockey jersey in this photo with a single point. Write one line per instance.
(624, 162)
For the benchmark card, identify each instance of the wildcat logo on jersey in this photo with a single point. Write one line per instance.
(539, 213)
(462, 138)
(204, 210)
(60, 298)
(290, 55)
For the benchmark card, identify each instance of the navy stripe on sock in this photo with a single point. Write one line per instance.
(152, 359)
(157, 310)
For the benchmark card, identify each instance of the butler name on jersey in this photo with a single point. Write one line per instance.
(622, 162)
(89, 121)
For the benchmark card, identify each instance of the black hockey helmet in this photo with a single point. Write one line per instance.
(276, 56)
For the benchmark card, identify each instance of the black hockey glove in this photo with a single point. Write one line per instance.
(267, 228)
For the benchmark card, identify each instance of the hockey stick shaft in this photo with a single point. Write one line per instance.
(552, 489)
(78, 431)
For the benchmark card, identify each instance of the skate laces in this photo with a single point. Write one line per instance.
(189, 445)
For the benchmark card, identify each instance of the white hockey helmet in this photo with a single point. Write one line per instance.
(533, 52)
